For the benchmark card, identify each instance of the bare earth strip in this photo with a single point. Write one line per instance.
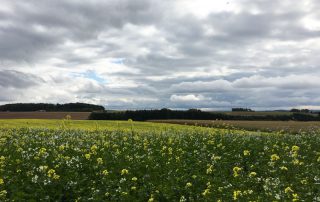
(289, 126)
(44, 115)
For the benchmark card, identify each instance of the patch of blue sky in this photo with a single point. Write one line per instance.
(90, 74)
(119, 61)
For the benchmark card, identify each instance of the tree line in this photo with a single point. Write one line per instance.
(195, 114)
(242, 110)
(68, 107)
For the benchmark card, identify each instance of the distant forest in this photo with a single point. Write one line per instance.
(69, 107)
(195, 114)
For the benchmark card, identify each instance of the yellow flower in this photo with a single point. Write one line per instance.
(61, 147)
(295, 148)
(295, 154)
(124, 171)
(134, 179)
(51, 172)
(246, 153)
(217, 158)
(3, 193)
(304, 182)
(274, 157)
(236, 194)
(247, 192)
(288, 190)
(283, 168)
(252, 174)
(236, 171)
(42, 151)
(209, 185)
(94, 148)
(56, 177)
(189, 184)
(1, 181)
(99, 160)
(105, 172)
(210, 169)
(151, 199)
(296, 162)
(87, 156)
(43, 168)
(295, 197)
(206, 192)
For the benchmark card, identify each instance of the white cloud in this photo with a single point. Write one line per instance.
(187, 98)
(154, 54)
(202, 8)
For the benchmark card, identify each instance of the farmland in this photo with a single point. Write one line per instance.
(256, 113)
(268, 126)
(54, 160)
(85, 125)
(44, 115)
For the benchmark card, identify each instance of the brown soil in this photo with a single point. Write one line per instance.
(44, 115)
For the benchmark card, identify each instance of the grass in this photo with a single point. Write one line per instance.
(47, 160)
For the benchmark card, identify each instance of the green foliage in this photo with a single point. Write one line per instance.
(68, 107)
(194, 114)
(300, 110)
(156, 162)
(242, 110)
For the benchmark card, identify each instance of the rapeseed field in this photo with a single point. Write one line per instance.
(158, 164)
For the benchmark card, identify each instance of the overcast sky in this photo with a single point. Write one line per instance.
(133, 54)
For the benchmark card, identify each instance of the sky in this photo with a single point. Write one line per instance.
(147, 54)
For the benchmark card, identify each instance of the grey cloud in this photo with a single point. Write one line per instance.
(191, 100)
(35, 27)
(248, 27)
(261, 56)
(160, 64)
(23, 44)
(289, 82)
(200, 86)
(15, 79)
(90, 15)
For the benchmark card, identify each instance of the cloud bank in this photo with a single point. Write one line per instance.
(146, 54)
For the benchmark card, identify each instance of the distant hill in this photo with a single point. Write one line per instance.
(68, 107)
